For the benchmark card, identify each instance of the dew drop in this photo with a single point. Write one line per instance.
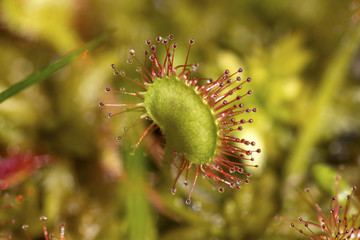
(118, 138)
(110, 115)
(132, 52)
(101, 104)
(240, 70)
(191, 41)
(112, 66)
(188, 201)
(221, 189)
(173, 191)
(148, 42)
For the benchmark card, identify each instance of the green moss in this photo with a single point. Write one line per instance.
(186, 120)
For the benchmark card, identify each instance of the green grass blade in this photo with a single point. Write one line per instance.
(139, 214)
(335, 74)
(46, 72)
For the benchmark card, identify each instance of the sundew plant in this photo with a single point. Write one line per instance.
(198, 120)
(206, 132)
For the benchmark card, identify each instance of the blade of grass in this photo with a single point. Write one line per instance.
(46, 72)
(139, 214)
(335, 74)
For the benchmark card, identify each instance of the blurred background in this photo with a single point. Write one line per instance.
(59, 153)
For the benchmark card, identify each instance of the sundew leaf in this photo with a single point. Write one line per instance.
(46, 72)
